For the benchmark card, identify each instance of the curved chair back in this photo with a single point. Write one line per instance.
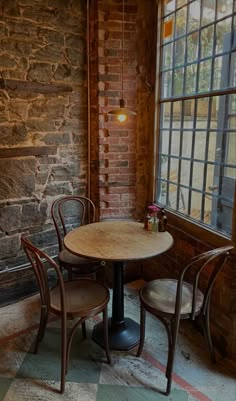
(70, 212)
(213, 261)
(38, 260)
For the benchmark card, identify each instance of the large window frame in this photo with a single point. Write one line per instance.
(185, 222)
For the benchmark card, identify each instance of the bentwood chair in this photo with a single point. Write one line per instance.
(81, 299)
(67, 213)
(172, 300)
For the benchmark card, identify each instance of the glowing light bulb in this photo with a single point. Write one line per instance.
(122, 117)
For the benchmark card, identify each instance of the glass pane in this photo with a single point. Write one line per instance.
(196, 205)
(169, 6)
(191, 79)
(185, 172)
(194, 16)
(183, 204)
(165, 112)
(208, 11)
(225, 7)
(162, 195)
(212, 147)
(204, 76)
(181, 17)
(221, 72)
(166, 88)
(178, 81)
(232, 103)
(179, 52)
(232, 122)
(181, 3)
(207, 210)
(164, 145)
(231, 155)
(200, 146)
(168, 29)
(197, 175)
(187, 143)
(177, 112)
(173, 196)
(187, 110)
(192, 47)
(174, 169)
(207, 35)
(234, 38)
(163, 166)
(216, 101)
(167, 56)
(223, 36)
(188, 117)
(175, 144)
(202, 113)
(210, 187)
(233, 70)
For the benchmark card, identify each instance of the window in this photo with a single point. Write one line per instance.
(197, 98)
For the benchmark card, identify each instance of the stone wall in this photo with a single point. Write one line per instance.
(43, 117)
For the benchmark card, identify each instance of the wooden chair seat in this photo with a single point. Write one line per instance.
(74, 260)
(83, 297)
(161, 295)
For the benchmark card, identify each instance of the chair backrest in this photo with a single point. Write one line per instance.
(69, 212)
(213, 261)
(40, 263)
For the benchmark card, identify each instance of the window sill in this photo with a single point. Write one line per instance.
(197, 231)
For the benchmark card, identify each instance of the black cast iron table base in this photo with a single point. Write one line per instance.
(122, 337)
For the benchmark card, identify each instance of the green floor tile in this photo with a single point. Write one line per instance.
(128, 393)
(4, 386)
(84, 363)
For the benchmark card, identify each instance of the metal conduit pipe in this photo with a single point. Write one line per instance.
(88, 95)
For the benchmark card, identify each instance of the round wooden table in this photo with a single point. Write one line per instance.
(117, 241)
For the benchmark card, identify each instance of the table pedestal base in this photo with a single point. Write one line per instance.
(122, 337)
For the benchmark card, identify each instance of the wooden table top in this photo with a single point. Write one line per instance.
(118, 240)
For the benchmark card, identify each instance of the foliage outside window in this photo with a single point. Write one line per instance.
(197, 142)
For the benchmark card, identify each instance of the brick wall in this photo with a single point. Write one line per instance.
(115, 178)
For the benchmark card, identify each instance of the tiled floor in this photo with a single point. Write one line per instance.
(28, 377)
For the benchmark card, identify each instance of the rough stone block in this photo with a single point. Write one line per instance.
(10, 218)
(40, 72)
(58, 189)
(17, 178)
(47, 108)
(9, 246)
(33, 214)
(12, 134)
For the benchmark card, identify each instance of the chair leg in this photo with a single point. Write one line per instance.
(207, 333)
(142, 330)
(42, 327)
(172, 332)
(63, 354)
(105, 329)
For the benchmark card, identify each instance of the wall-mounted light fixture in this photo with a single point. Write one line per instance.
(122, 113)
